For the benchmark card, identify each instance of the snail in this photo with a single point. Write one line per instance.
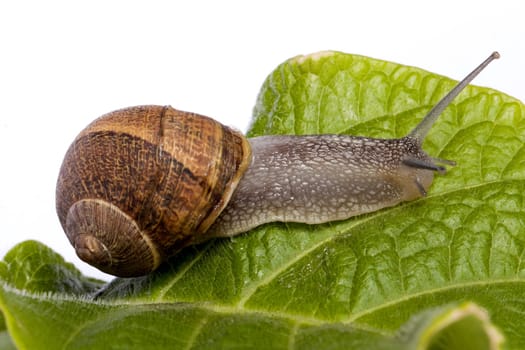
(141, 183)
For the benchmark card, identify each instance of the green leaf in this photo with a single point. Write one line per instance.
(396, 278)
(33, 267)
(67, 321)
(5, 340)
(465, 326)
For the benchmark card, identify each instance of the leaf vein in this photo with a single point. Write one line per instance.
(182, 272)
(405, 298)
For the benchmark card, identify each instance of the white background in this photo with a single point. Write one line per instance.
(64, 63)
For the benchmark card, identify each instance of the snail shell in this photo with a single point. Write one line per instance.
(141, 183)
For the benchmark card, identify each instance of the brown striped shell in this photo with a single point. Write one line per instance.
(139, 184)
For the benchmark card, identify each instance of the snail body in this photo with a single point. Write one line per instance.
(139, 184)
(302, 179)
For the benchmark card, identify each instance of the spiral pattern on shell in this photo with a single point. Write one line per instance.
(139, 184)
